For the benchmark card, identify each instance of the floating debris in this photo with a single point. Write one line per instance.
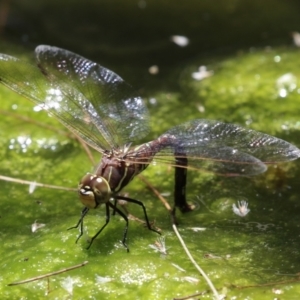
(196, 229)
(180, 40)
(160, 245)
(277, 291)
(153, 101)
(296, 38)
(179, 268)
(277, 59)
(153, 70)
(242, 208)
(190, 279)
(202, 73)
(32, 187)
(166, 194)
(211, 256)
(35, 226)
(68, 284)
(102, 280)
(201, 108)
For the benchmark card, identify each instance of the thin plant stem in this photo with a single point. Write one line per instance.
(48, 274)
(21, 181)
(209, 282)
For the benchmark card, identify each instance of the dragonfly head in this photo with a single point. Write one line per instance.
(93, 190)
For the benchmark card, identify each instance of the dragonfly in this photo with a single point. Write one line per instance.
(107, 114)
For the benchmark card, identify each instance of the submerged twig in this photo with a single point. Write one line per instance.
(48, 275)
(164, 201)
(21, 181)
(209, 282)
(156, 192)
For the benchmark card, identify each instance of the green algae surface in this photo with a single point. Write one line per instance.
(255, 257)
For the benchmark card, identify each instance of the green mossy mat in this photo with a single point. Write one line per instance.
(259, 249)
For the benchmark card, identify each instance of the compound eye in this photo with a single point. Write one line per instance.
(93, 191)
(101, 190)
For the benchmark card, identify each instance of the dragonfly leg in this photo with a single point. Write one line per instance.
(143, 207)
(180, 184)
(107, 219)
(80, 222)
(114, 207)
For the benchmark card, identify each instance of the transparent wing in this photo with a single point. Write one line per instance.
(90, 100)
(219, 147)
(110, 103)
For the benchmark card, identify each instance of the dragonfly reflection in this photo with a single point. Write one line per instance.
(97, 105)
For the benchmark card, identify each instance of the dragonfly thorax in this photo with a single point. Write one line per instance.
(117, 171)
(93, 190)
